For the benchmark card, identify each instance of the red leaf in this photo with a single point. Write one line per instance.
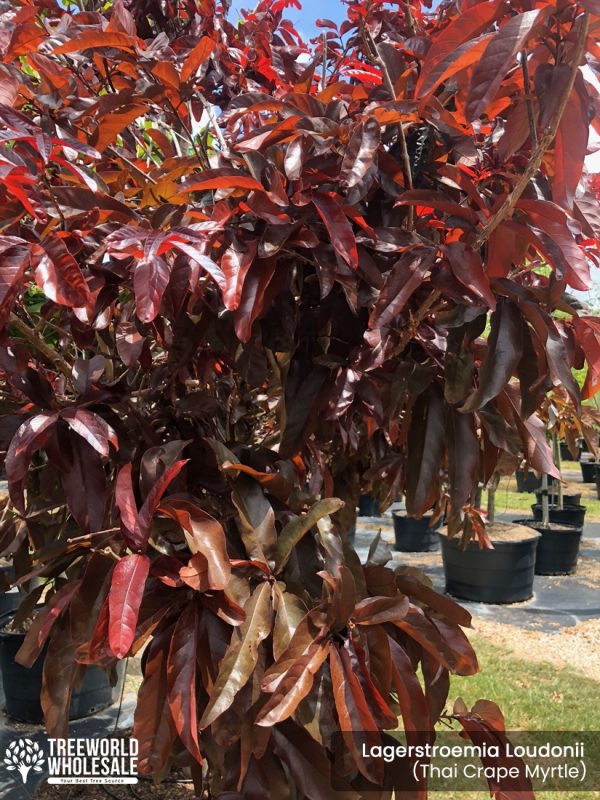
(335, 220)
(468, 269)
(360, 153)
(570, 146)
(43, 623)
(130, 343)
(254, 298)
(498, 58)
(125, 500)
(377, 610)
(554, 222)
(181, 678)
(404, 278)
(84, 483)
(31, 436)
(425, 449)
(225, 178)
(205, 536)
(92, 40)
(197, 56)
(195, 574)
(91, 427)
(59, 276)
(294, 686)
(450, 46)
(504, 350)
(235, 263)
(413, 704)
(355, 718)
(14, 261)
(124, 600)
(150, 281)
(153, 724)
(144, 520)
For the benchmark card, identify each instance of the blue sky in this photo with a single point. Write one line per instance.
(313, 10)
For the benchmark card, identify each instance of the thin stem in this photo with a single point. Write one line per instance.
(416, 319)
(528, 100)
(558, 462)
(545, 503)
(389, 84)
(548, 137)
(214, 123)
(140, 173)
(324, 75)
(40, 345)
(86, 536)
(491, 499)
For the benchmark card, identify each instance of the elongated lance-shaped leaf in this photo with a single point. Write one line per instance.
(242, 654)
(293, 532)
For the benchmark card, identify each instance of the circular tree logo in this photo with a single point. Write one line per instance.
(24, 755)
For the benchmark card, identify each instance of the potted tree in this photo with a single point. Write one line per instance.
(501, 573)
(266, 268)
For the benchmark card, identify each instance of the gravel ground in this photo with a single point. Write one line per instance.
(577, 647)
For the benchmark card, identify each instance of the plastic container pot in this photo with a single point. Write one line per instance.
(558, 549)
(527, 482)
(22, 687)
(568, 499)
(588, 471)
(502, 575)
(415, 535)
(368, 506)
(569, 515)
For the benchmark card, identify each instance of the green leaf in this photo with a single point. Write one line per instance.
(242, 654)
(295, 530)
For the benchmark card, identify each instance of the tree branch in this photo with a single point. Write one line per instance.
(40, 345)
(548, 137)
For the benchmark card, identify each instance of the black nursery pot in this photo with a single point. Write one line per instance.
(9, 601)
(368, 506)
(415, 535)
(558, 549)
(566, 454)
(527, 482)
(588, 471)
(22, 687)
(568, 499)
(569, 515)
(502, 575)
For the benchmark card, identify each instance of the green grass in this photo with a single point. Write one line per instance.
(532, 697)
(508, 499)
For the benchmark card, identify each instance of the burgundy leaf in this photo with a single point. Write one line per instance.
(124, 600)
(91, 427)
(498, 58)
(181, 678)
(14, 261)
(31, 436)
(335, 220)
(150, 281)
(360, 153)
(504, 350)
(59, 276)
